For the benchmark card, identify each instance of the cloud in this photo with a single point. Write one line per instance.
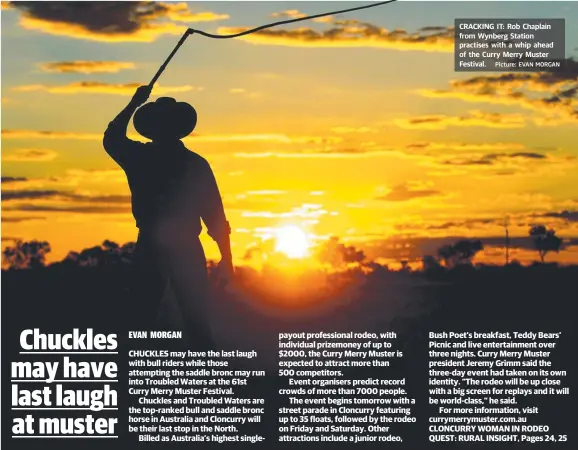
(527, 200)
(97, 87)
(250, 137)
(547, 81)
(74, 177)
(244, 92)
(269, 200)
(490, 152)
(324, 19)
(408, 191)
(67, 181)
(10, 239)
(564, 109)
(472, 119)
(12, 195)
(86, 66)
(276, 211)
(48, 134)
(494, 158)
(19, 219)
(353, 130)
(30, 155)
(51, 200)
(266, 192)
(289, 14)
(140, 21)
(117, 199)
(320, 153)
(352, 33)
(256, 206)
(27, 195)
(482, 160)
(14, 179)
(469, 223)
(570, 216)
(268, 75)
(180, 12)
(425, 151)
(498, 164)
(423, 146)
(82, 209)
(553, 95)
(278, 138)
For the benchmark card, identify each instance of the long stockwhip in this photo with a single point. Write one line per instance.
(191, 31)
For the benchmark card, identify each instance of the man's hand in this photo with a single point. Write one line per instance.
(226, 272)
(141, 95)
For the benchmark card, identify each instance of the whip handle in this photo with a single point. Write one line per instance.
(165, 64)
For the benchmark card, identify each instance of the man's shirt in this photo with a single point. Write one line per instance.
(172, 188)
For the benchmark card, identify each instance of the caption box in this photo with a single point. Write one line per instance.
(509, 45)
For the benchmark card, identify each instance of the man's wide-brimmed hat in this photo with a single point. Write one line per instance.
(165, 119)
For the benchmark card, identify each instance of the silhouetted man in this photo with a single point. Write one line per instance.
(172, 190)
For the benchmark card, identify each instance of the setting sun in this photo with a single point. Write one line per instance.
(292, 241)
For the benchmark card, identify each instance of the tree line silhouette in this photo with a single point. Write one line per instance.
(332, 253)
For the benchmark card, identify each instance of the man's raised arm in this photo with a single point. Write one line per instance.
(115, 141)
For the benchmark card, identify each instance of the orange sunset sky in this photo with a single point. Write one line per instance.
(354, 125)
